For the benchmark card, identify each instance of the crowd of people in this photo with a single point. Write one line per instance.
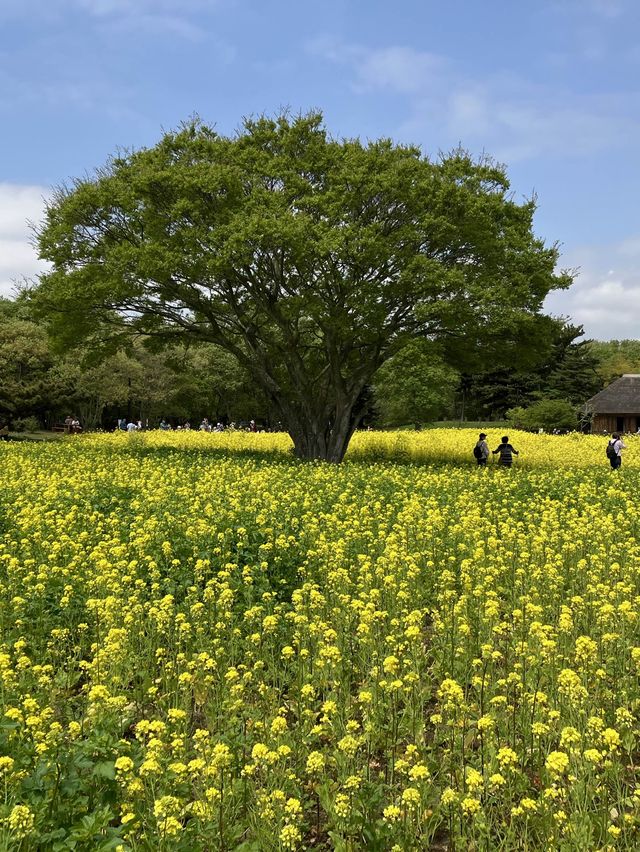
(125, 425)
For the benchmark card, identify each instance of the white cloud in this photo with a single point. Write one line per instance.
(19, 205)
(605, 297)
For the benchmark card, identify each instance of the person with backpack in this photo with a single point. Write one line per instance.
(614, 450)
(506, 451)
(481, 450)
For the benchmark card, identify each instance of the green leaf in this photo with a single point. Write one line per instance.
(105, 769)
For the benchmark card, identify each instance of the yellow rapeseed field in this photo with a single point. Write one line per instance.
(207, 645)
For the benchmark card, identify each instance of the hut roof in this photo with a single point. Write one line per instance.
(620, 397)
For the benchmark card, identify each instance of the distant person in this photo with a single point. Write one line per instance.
(614, 450)
(75, 427)
(131, 427)
(507, 452)
(122, 424)
(164, 426)
(481, 450)
(252, 426)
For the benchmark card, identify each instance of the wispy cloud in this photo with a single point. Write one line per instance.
(503, 113)
(400, 69)
(173, 17)
(181, 18)
(128, 7)
(19, 205)
(608, 9)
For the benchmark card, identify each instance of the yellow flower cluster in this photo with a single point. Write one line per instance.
(204, 644)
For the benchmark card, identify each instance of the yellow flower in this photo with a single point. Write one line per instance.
(448, 797)
(410, 797)
(419, 772)
(278, 725)
(392, 813)
(557, 762)
(342, 806)
(259, 752)
(473, 778)
(293, 807)
(315, 762)
(390, 664)
(21, 821)
(349, 745)
(485, 723)
(290, 836)
(507, 758)
(470, 806)
(611, 739)
(123, 764)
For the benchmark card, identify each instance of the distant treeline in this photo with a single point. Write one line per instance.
(99, 383)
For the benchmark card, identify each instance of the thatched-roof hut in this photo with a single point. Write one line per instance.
(617, 407)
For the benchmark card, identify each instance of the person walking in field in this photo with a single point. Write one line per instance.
(507, 452)
(481, 450)
(614, 450)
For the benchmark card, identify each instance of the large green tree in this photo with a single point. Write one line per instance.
(312, 260)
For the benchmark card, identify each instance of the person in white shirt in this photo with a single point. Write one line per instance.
(614, 453)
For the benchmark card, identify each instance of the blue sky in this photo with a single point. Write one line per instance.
(549, 87)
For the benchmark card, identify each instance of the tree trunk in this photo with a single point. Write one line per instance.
(323, 438)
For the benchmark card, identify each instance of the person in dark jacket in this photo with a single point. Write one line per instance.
(507, 452)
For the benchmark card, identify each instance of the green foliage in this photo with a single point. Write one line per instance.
(572, 373)
(26, 424)
(414, 386)
(311, 260)
(615, 357)
(27, 383)
(566, 368)
(547, 414)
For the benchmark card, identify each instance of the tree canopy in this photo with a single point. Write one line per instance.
(311, 260)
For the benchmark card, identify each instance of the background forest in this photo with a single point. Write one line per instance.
(39, 385)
